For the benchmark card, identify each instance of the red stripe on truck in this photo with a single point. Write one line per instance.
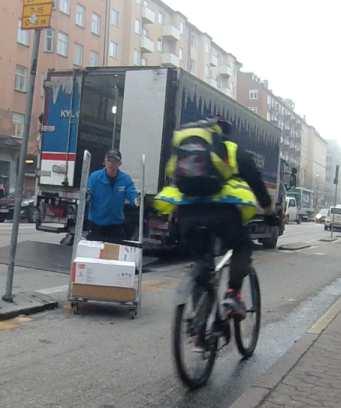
(59, 156)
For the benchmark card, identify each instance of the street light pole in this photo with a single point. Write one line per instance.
(8, 296)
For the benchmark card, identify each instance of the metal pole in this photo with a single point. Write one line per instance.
(114, 143)
(141, 220)
(8, 296)
(333, 218)
(81, 208)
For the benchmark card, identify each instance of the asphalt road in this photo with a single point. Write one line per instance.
(103, 359)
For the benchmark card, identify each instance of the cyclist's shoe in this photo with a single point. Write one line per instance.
(234, 305)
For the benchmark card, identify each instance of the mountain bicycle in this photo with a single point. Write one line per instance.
(200, 318)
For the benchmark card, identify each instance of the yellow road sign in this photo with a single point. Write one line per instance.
(38, 10)
(35, 22)
(36, 2)
(36, 14)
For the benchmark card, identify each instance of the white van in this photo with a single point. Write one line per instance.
(333, 218)
(291, 210)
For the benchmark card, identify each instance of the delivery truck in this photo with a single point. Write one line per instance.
(136, 110)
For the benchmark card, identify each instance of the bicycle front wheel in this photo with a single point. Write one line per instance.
(194, 343)
(247, 330)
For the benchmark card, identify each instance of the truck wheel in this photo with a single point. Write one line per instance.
(271, 243)
(298, 220)
(2, 219)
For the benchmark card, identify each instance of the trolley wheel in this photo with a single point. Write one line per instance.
(133, 314)
(75, 307)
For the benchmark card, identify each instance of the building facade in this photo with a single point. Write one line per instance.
(333, 160)
(313, 170)
(96, 33)
(255, 95)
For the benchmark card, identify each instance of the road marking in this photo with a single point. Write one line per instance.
(56, 289)
(327, 318)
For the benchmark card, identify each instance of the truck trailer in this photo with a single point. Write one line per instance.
(136, 110)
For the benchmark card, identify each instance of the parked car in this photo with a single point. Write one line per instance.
(320, 217)
(333, 218)
(27, 213)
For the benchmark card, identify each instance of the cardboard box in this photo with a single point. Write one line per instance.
(103, 272)
(89, 249)
(103, 293)
(103, 250)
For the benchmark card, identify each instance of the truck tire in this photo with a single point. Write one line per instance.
(298, 220)
(271, 243)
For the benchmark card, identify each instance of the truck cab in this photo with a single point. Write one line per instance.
(291, 210)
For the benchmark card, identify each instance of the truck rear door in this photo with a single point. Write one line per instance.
(60, 129)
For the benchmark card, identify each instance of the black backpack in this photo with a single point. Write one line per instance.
(195, 174)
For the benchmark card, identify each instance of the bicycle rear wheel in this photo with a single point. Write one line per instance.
(193, 325)
(247, 330)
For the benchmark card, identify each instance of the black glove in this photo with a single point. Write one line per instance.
(272, 219)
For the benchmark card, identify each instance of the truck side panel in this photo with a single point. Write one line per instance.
(59, 136)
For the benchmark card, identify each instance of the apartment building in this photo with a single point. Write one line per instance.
(333, 159)
(94, 33)
(256, 95)
(314, 164)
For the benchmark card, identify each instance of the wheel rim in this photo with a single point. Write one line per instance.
(193, 328)
(249, 326)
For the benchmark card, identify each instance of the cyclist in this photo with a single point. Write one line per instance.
(224, 198)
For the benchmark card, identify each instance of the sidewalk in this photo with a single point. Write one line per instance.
(308, 375)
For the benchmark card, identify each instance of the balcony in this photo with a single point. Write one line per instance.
(148, 16)
(225, 71)
(147, 45)
(214, 61)
(171, 33)
(170, 59)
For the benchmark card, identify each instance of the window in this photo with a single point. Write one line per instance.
(115, 17)
(23, 36)
(137, 27)
(79, 53)
(62, 44)
(20, 78)
(143, 61)
(94, 59)
(181, 53)
(253, 94)
(64, 6)
(193, 41)
(95, 24)
(253, 109)
(113, 49)
(159, 45)
(137, 57)
(18, 120)
(181, 27)
(80, 15)
(49, 40)
(161, 18)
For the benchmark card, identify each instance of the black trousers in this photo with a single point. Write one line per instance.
(106, 233)
(225, 221)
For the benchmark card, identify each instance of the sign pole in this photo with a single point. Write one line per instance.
(8, 296)
(336, 182)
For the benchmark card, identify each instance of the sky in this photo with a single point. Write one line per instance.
(294, 44)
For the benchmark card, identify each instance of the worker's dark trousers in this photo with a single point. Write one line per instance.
(225, 222)
(106, 233)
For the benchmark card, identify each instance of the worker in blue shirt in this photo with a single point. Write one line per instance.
(109, 189)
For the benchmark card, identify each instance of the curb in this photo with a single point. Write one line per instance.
(25, 304)
(294, 247)
(266, 383)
